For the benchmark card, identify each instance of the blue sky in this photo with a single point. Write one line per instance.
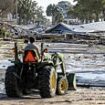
(45, 3)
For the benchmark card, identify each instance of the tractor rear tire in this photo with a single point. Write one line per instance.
(48, 82)
(12, 83)
(62, 85)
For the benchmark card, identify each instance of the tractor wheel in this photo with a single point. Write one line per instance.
(12, 83)
(48, 82)
(62, 86)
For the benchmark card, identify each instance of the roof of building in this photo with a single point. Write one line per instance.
(91, 27)
(60, 28)
(84, 28)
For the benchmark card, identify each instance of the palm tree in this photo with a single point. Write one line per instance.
(53, 10)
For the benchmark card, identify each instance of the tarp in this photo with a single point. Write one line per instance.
(60, 28)
(84, 28)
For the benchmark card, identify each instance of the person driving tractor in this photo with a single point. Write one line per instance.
(32, 47)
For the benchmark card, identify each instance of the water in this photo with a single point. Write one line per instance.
(4, 64)
(91, 78)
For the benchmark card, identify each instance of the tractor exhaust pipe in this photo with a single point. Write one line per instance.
(42, 44)
(16, 51)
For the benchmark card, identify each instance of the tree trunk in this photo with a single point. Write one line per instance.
(97, 17)
(53, 20)
(104, 14)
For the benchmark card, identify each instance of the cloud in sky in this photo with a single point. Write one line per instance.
(45, 3)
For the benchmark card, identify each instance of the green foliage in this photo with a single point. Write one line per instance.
(3, 32)
(50, 10)
(29, 11)
(88, 9)
(64, 7)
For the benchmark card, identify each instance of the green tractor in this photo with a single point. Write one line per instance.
(24, 76)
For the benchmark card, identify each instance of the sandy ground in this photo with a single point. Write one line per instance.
(82, 96)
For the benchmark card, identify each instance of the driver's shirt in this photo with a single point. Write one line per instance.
(32, 47)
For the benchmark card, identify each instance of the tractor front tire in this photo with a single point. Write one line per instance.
(11, 83)
(48, 82)
(62, 85)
